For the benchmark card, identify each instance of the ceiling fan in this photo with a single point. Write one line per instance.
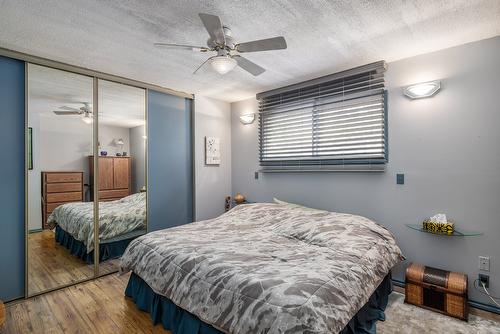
(228, 50)
(85, 112)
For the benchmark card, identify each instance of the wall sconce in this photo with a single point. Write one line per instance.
(247, 118)
(422, 90)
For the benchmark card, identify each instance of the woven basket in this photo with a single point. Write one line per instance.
(438, 290)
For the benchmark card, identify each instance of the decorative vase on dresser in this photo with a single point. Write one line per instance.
(114, 177)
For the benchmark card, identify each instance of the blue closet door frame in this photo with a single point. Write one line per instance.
(170, 160)
(12, 191)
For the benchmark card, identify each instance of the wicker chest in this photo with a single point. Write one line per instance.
(438, 290)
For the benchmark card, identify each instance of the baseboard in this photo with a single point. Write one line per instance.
(35, 230)
(480, 307)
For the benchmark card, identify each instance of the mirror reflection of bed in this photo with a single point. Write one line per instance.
(122, 170)
(61, 176)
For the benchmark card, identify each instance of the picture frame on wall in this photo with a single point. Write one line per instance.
(212, 151)
(30, 148)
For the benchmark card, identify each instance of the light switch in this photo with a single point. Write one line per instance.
(400, 179)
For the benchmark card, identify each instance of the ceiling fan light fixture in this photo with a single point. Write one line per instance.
(221, 41)
(223, 64)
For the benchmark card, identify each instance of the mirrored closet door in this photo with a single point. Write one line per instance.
(121, 170)
(79, 154)
(60, 211)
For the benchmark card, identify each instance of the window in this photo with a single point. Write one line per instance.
(330, 123)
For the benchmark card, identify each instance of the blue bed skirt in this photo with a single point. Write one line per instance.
(178, 321)
(77, 248)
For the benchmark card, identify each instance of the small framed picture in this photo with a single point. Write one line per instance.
(212, 151)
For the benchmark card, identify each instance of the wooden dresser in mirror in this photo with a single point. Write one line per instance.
(114, 177)
(60, 188)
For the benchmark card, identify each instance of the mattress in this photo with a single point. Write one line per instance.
(267, 268)
(117, 219)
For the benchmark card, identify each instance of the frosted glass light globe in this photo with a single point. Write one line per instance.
(223, 64)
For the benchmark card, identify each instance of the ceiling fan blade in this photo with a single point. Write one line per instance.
(69, 108)
(66, 113)
(249, 66)
(213, 24)
(275, 43)
(203, 64)
(182, 46)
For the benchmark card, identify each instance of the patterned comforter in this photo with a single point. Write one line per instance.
(115, 218)
(267, 268)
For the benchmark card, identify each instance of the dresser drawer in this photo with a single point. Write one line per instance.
(106, 194)
(63, 187)
(64, 197)
(63, 177)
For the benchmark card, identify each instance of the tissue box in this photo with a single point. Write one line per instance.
(438, 227)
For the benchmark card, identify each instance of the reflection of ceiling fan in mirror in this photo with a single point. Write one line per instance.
(85, 112)
(228, 50)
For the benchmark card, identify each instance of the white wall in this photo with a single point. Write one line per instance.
(34, 177)
(108, 135)
(213, 183)
(447, 147)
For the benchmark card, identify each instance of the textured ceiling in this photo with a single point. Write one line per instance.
(323, 36)
(50, 89)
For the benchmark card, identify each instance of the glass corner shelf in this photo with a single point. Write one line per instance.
(456, 232)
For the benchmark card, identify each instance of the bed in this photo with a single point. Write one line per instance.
(120, 221)
(264, 268)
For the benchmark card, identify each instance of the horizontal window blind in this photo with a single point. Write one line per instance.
(334, 122)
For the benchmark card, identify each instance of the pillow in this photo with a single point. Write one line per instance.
(293, 205)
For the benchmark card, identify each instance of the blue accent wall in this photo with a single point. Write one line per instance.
(170, 168)
(12, 171)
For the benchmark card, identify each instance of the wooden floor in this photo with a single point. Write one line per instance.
(51, 265)
(97, 306)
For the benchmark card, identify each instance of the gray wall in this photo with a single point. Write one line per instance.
(59, 144)
(447, 146)
(34, 177)
(213, 183)
(63, 144)
(108, 134)
(138, 156)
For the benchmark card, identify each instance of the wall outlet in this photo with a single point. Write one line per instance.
(484, 263)
(484, 279)
(256, 175)
(400, 179)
